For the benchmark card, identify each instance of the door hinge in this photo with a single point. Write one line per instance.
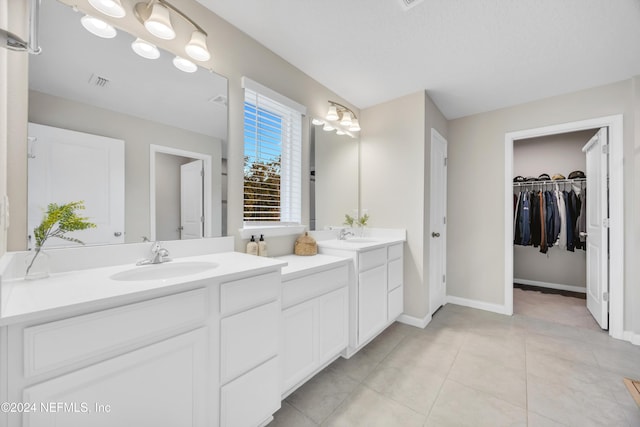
(444, 278)
(445, 161)
(605, 223)
(444, 220)
(605, 149)
(605, 296)
(202, 172)
(202, 218)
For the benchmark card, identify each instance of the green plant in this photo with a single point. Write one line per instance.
(348, 220)
(362, 221)
(58, 220)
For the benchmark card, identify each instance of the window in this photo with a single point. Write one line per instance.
(272, 156)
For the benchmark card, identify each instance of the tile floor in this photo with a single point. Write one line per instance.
(474, 368)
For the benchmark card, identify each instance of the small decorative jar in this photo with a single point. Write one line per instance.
(305, 245)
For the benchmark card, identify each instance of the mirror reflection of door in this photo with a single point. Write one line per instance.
(179, 197)
(68, 166)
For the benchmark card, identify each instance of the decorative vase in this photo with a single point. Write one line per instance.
(37, 265)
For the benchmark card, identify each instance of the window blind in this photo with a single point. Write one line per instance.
(272, 160)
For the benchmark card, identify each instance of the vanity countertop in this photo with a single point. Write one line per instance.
(298, 266)
(23, 300)
(359, 244)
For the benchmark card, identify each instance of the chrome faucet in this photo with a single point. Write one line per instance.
(344, 233)
(158, 255)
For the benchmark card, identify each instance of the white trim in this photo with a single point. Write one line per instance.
(247, 83)
(616, 209)
(414, 321)
(559, 286)
(481, 305)
(206, 159)
(632, 337)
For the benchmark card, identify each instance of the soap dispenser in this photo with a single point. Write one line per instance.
(262, 246)
(252, 246)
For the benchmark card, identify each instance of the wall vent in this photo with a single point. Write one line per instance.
(220, 99)
(408, 4)
(98, 81)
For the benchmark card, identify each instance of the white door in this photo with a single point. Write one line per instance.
(438, 222)
(597, 231)
(191, 212)
(67, 166)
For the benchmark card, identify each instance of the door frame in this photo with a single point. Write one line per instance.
(433, 281)
(206, 159)
(616, 210)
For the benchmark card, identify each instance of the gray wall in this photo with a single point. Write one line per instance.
(394, 176)
(476, 175)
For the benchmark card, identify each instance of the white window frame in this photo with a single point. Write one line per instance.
(291, 177)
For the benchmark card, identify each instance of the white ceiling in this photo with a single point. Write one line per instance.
(471, 56)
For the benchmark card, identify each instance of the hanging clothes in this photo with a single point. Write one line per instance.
(582, 221)
(562, 212)
(535, 219)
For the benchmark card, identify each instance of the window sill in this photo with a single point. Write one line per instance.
(270, 230)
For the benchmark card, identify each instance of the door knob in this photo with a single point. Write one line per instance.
(117, 234)
(583, 234)
(434, 234)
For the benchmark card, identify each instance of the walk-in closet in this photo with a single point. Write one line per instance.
(549, 251)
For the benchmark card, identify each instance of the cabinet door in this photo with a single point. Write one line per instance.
(249, 400)
(372, 303)
(334, 323)
(299, 347)
(164, 384)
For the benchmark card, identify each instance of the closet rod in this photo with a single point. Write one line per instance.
(549, 182)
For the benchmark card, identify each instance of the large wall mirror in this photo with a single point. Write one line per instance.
(334, 178)
(167, 122)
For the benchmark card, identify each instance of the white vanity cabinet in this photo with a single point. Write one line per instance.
(376, 293)
(249, 361)
(138, 364)
(315, 320)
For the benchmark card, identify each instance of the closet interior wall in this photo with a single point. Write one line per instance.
(553, 154)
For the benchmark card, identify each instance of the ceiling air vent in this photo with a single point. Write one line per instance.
(408, 4)
(98, 81)
(220, 99)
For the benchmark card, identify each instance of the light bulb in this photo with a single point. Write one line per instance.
(145, 49)
(197, 47)
(159, 23)
(332, 114)
(355, 126)
(111, 8)
(346, 119)
(184, 65)
(317, 122)
(327, 127)
(98, 27)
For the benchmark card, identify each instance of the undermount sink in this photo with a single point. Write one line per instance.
(165, 270)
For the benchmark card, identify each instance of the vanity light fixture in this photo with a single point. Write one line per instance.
(339, 118)
(155, 15)
(145, 49)
(111, 8)
(98, 27)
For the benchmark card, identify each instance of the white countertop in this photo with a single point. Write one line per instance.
(22, 299)
(358, 244)
(298, 266)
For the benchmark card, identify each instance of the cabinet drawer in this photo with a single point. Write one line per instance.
(251, 399)
(395, 251)
(370, 259)
(304, 288)
(246, 293)
(394, 274)
(396, 303)
(65, 342)
(248, 339)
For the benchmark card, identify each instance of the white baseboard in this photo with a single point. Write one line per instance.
(481, 305)
(558, 286)
(414, 321)
(632, 337)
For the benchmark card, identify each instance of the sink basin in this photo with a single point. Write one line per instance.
(166, 270)
(360, 240)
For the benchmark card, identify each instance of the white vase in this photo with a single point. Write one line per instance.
(37, 265)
